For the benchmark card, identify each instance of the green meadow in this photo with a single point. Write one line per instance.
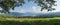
(29, 21)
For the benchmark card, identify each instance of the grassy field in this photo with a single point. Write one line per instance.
(29, 21)
(25, 19)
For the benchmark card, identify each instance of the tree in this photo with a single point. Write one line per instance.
(45, 4)
(6, 5)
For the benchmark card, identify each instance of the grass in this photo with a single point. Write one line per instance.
(29, 21)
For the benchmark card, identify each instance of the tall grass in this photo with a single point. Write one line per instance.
(40, 22)
(28, 21)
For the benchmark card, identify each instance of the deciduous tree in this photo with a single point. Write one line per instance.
(6, 5)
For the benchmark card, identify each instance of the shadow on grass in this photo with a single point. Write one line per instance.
(40, 22)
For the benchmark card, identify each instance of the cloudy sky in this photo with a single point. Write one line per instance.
(33, 8)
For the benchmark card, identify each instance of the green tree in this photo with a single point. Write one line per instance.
(6, 5)
(45, 4)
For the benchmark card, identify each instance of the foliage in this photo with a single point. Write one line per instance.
(45, 4)
(6, 5)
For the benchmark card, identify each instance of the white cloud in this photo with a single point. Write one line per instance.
(22, 11)
(35, 9)
(57, 7)
(32, 10)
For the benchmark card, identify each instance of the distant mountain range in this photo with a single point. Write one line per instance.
(52, 14)
(20, 14)
(33, 14)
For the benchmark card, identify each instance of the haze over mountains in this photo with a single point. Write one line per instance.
(34, 14)
(50, 14)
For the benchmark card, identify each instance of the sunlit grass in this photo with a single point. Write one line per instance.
(31, 19)
(26, 19)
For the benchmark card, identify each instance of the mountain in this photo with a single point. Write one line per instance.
(19, 14)
(30, 14)
(57, 14)
(14, 14)
(51, 14)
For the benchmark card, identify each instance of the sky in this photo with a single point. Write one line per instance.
(33, 8)
(57, 7)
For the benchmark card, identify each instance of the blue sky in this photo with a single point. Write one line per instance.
(33, 8)
(27, 7)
